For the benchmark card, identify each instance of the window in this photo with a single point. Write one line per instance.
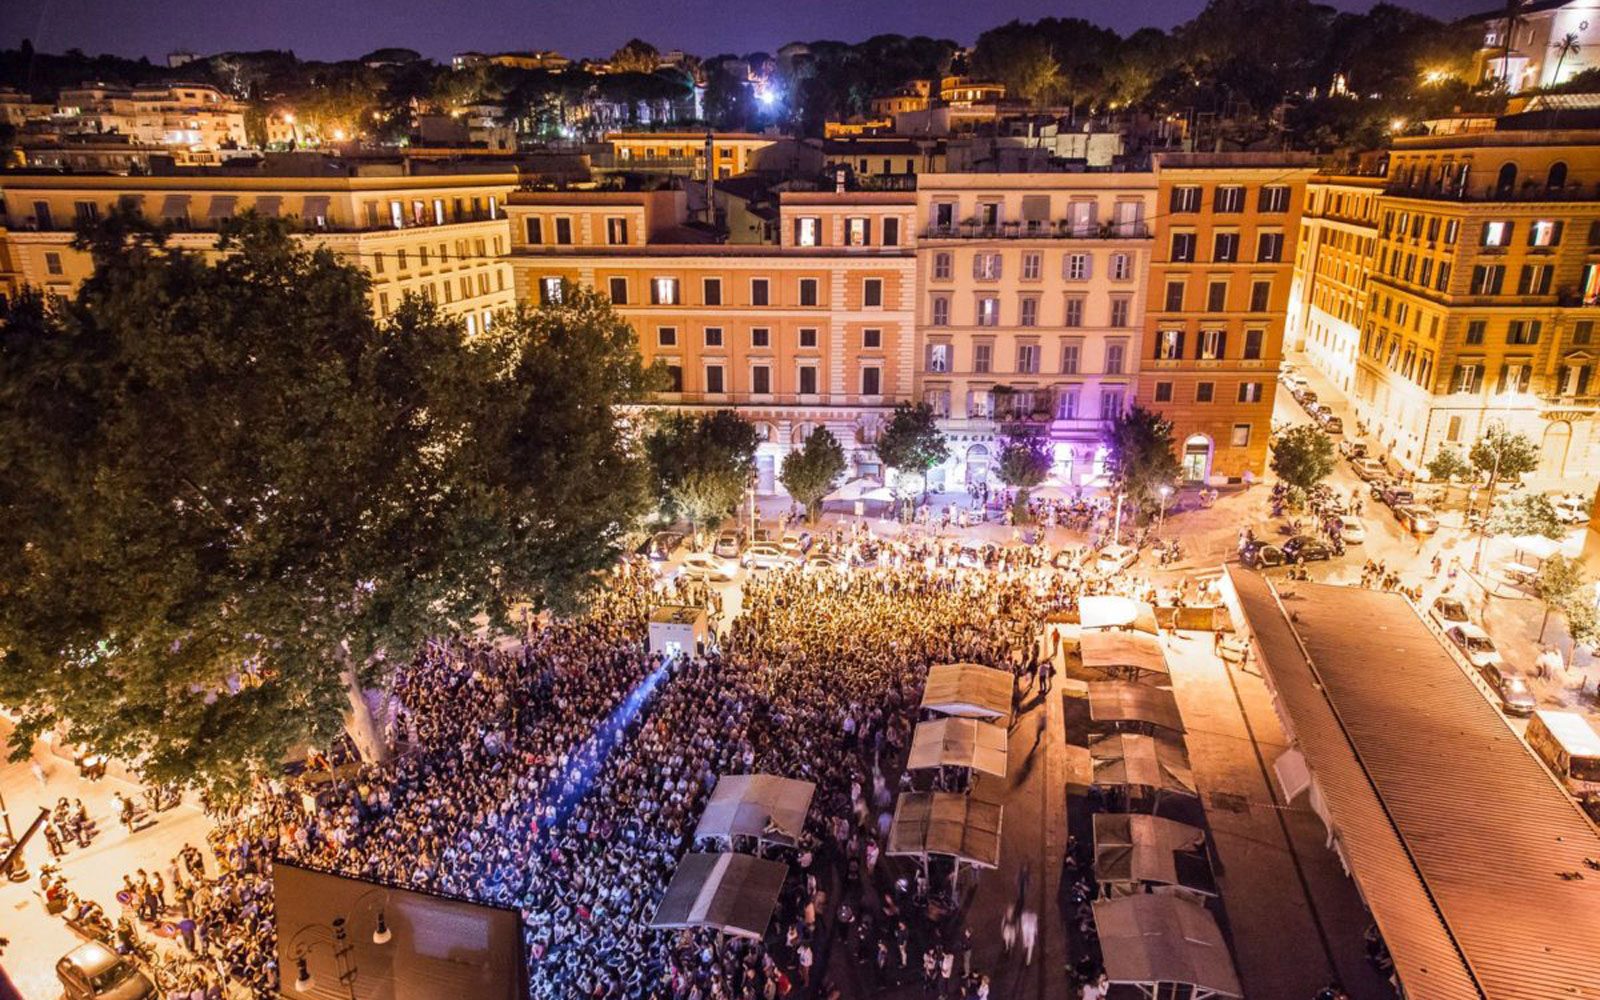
(1496, 234)
(618, 288)
(1028, 359)
(1217, 296)
(666, 336)
(1071, 357)
(1110, 402)
(1544, 233)
(760, 290)
(891, 232)
(1028, 312)
(1078, 267)
(941, 267)
(872, 293)
(1213, 344)
(714, 384)
(400, 259)
(761, 379)
(808, 337)
(938, 401)
(1583, 331)
(563, 231)
(939, 358)
(713, 336)
(617, 231)
(1183, 247)
(1453, 429)
(1121, 266)
(1114, 358)
(1252, 344)
(857, 231)
(664, 291)
(549, 291)
(1249, 392)
(1119, 311)
(1174, 300)
(808, 380)
(1169, 345)
(1203, 391)
(1523, 331)
(1442, 280)
(808, 291)
(383, 309)
(1269, 248)
(1260, 296)
(1468, 378)
(1030, 266)
(1074, 315)
(1475, 331)
(1273, 198)
(1451, 228)
(1163, 392)
(760, 337)
(1534, 279)
(807, 232)
(1185, 199)
(1241, 436)
(982, 358)
(1229, 198)
(535, 229)
(871, 381)
(988, 311)
(52, 263)
(1487, 279)
(941, 311)
(986, 266)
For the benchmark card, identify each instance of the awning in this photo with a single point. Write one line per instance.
(959, 743)
(1145, 761)
(1123, 653)
(731, 893)
(968, 689)
(1035, 207)
(1110, 611)
(945, 823)
(221, 207)
(175, 208)
(757, 805)
(313, 208)
(1133, 849)
(269, 205)
(864, 488)
(1117, 702)
(1149, 940)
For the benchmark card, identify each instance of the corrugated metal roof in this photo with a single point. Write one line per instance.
(1455, 833)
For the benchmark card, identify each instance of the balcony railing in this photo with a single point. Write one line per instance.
(1039, 230)
(1529, 192)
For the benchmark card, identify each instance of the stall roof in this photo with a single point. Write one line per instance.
(968, 689)
(1103, 650)
(946, 823)
(1111, 611)
(1428, 788)
(757, 805)
(731, 893)
(1135, 848)
(959, 743)
(1126, 701)
(1156, 938)
(1135, 759)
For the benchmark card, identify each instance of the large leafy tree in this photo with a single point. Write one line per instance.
(912, 442)
(228, 495)
(1448, 465)
(1501, 454)
(701, 463)
(1560, 583)
(1024, 464)
(1139, 455)
(809, 472)
(1532, 514)
(1302, 456)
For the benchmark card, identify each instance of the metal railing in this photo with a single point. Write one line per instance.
(1042, 230)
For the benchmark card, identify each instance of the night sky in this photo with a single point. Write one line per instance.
(332, 29)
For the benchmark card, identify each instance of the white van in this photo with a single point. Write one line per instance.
(1569, 746)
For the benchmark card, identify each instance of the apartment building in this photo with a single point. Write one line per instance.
(1482, 291)
(1224, 251)
(190, 115)
(441, 236)
(1030, 305)
(1536, 55)
(685, 152)
(813, 329)
(1327, 295)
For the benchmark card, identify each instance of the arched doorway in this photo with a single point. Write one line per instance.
(1554, 449)
(1197, 458)
(977, 465)
(1506, 184)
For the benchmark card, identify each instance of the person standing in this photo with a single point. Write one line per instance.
(1030, 934)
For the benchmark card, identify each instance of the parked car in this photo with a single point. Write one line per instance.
(766, 555)
(660, 546)
(1419, 519)
(1330, 423)
(1368, 469)
(1515, 696)
(1570, 509)
(1448, 612)
(1305, 548)
(1351, 530)
(93, 971)
(1259, 555)
(797, 544)
(1353, 448)
(1113, 558)
(727, 545)
(1397, 496)
(1306, 397)
(1474, 643)
(826, 562)
(709, 566)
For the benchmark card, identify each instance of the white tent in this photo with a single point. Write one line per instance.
(969, 689)
(948, 824)
(764, 806)
(1133, 850)
(731, 893)
(1120, 702)
(1125, 654)
(1151, 941)
(959, 743)
(861, 489)
(1111, 611)
(1144, 761)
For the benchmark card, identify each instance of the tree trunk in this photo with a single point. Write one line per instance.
(359, 724)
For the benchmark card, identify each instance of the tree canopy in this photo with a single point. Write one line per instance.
(1502, 454)
(1530, 514)
(1024, 464)
(226, 489)
(809, 472)
(1139, 455)
(912, 442)
(1303, 456)
(701, 463)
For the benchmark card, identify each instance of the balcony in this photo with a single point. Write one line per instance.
(1039, 230)
(1530, 191)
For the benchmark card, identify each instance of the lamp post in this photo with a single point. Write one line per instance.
(1116, 529)
(1488, 509)
(1161, 518)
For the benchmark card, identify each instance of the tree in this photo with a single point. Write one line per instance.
(809, 472)
(1446, 466)
(912, 442)
(1139, 455)
(706, 495)
(1024, 464)
(1500, 454)
(1568, 46)
(1302, 456)
(214, 535)
(701, 463)
(1559, 580)
(636, 56)
(1532, 514)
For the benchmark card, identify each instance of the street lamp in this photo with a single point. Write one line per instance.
(1488, 509)
(1116, 530)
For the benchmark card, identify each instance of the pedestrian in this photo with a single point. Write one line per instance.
(1437, 564)
(38, 773)
(1008, 929)
(52, 839)
(1030, 934)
